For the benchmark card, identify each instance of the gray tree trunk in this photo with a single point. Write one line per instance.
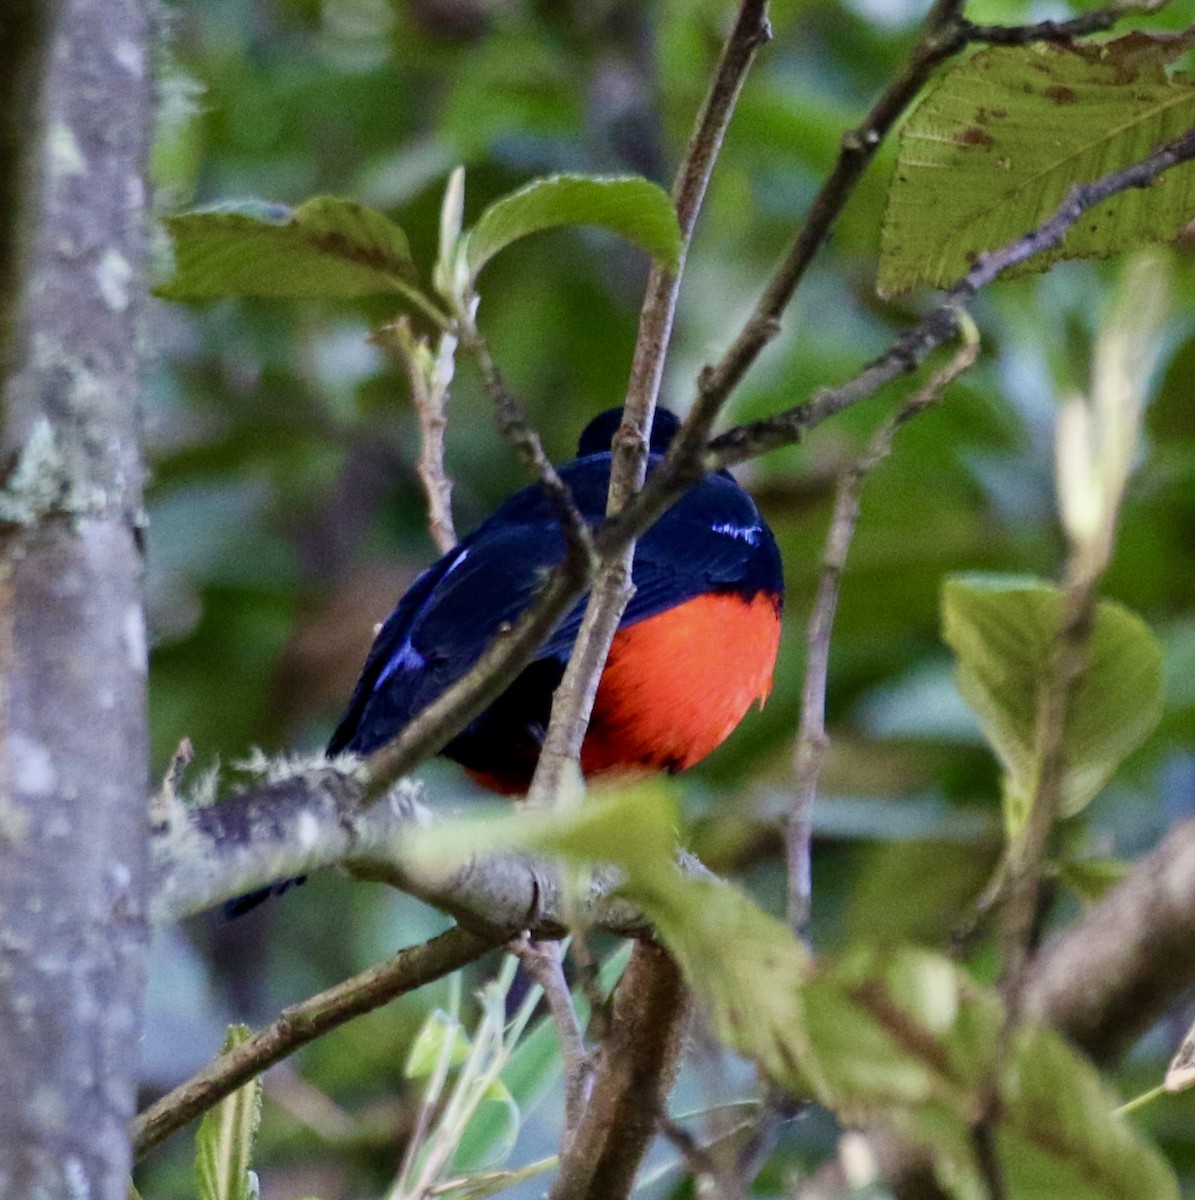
(75, 119)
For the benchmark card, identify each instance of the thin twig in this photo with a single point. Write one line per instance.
(812, 742)
(612, 589)
(303, 1023)
(429, 377)
(1099, 20)
(544, 962)
(696, 1157)
(1027, 852)
(511, 415)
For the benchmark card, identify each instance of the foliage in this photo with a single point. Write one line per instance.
(1015, 128)
(896, 1037)
(1003, 632)
(224, 1143)
(284, 521)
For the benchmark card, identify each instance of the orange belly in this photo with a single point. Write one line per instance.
(677, 685)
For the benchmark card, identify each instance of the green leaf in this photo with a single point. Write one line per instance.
(1059, 1134)
(431, 1043)
(224, 1143)
(1002, 632)
(904, 1039)
(630, 206)
(993, 149)
(326, 248)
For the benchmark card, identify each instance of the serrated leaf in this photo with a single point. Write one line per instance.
(995, 146)
(632, 207)
(224, 1143)
(326, 248)
(1002, 632)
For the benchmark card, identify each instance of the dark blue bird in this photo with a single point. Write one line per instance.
(695, 647)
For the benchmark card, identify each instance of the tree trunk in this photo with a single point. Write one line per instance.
(75, 116)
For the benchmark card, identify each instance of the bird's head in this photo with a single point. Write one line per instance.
(599, 433)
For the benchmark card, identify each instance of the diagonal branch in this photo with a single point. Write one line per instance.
(303, 1023)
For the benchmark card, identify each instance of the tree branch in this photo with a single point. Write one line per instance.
(317, 819)
(1099, 20)
(1108, 978)
(303, 1023)
(429, 376)
(636, 1068)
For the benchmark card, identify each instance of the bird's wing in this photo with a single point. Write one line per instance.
(442, 626)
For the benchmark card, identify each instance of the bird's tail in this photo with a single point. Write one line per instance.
(250, 900)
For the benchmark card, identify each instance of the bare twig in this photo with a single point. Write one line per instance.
(812, 742)
(612, 589)
(544, 962)
(429, 376)
(1099, 20)
(303, 1023)
(511, 415)
(1028, 849)
(641, 1049)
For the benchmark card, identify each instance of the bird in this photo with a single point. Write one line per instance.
(695, 648)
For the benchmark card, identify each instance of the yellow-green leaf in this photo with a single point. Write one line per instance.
(1003, 632)
(326, 248)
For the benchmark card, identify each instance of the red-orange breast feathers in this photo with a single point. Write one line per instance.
(677, 685)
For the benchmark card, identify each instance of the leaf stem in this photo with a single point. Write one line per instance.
(1131, 1106)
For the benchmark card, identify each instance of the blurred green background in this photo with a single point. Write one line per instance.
(285, 515)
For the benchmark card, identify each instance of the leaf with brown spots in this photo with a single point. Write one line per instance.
(995, 146)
